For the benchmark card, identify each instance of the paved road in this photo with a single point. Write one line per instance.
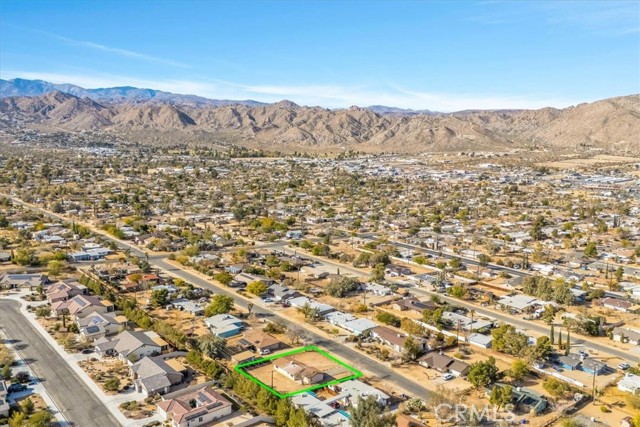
(345, 352)
(77, 402)
(342, 351)
(538, 327)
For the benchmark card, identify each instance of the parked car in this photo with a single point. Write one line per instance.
(624, 366)
(15, 388)
(583, 354)
(265, 351)
(447, 377)
(88, 351)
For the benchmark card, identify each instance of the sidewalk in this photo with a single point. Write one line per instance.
(111, 402)
(36, 388)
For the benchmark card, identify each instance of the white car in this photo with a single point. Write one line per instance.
(265, 352)
(624, 366)
(447, 377)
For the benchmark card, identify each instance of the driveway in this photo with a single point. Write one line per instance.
(77, 402)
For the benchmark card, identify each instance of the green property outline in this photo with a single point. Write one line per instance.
(240, 368)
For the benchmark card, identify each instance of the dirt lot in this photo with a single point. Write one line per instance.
(282, 384)
(104, 370)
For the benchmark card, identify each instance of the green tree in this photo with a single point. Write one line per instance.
(211, 345)
(619, 273)
(224, 277)
(17, 419)
(542, 350)
(7, 373)
(220, 304)
(27, 405)
(41, 419)
(112, 384)
(160, 297)
(507, 340)
(500, 395)
(519, 369)
(555, 387)
(591, 250)
(377, 273)
(483, 373)
(257, 288)
(368, 413)
(455, 263)
(411, 348)
(310, 313)
(54, 268)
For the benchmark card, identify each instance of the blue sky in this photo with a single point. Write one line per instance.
(442, 56)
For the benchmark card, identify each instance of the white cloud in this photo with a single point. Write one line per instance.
(122, 52)
(332, 96)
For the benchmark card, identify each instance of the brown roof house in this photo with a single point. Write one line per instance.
(81, 306)
(193, 407)
(443, 363)
(297, 371)
(396, 339)
(260, 341)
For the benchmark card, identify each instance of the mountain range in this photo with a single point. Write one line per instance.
(612, 124)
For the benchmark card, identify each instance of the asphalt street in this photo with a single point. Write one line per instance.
(340, 350)
(77, 402)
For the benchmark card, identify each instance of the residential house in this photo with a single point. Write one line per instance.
(352, 389)
(592, 366)
(131, 345)
(188, 306)
(235, 268)
(243, 357)
(80, 306)
(4, 404)
(414, 304)
(297, 371)
(631, 336)
(193, 407)
(518, 303)
(153, 375)
(616, 304)
(64, 290)
(630, 383)
(224, 325)
(23, 281)
(282, 293)
(351, 323)
(300, 302)
(443, 363)
(376, 289)
(96, 325)
(323, 410)
(260, 341)
(247, 278)
(294, 234)
(395, 270)
(570, 363)
(396, 340)
(480, 340)
(524, 399)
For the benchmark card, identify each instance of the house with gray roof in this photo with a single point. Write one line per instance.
(224, 325)
(131, 345)
(152, 375)
(23, 281)
(97, 325)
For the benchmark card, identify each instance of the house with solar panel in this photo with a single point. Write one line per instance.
(193, 407)
(97, 325)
